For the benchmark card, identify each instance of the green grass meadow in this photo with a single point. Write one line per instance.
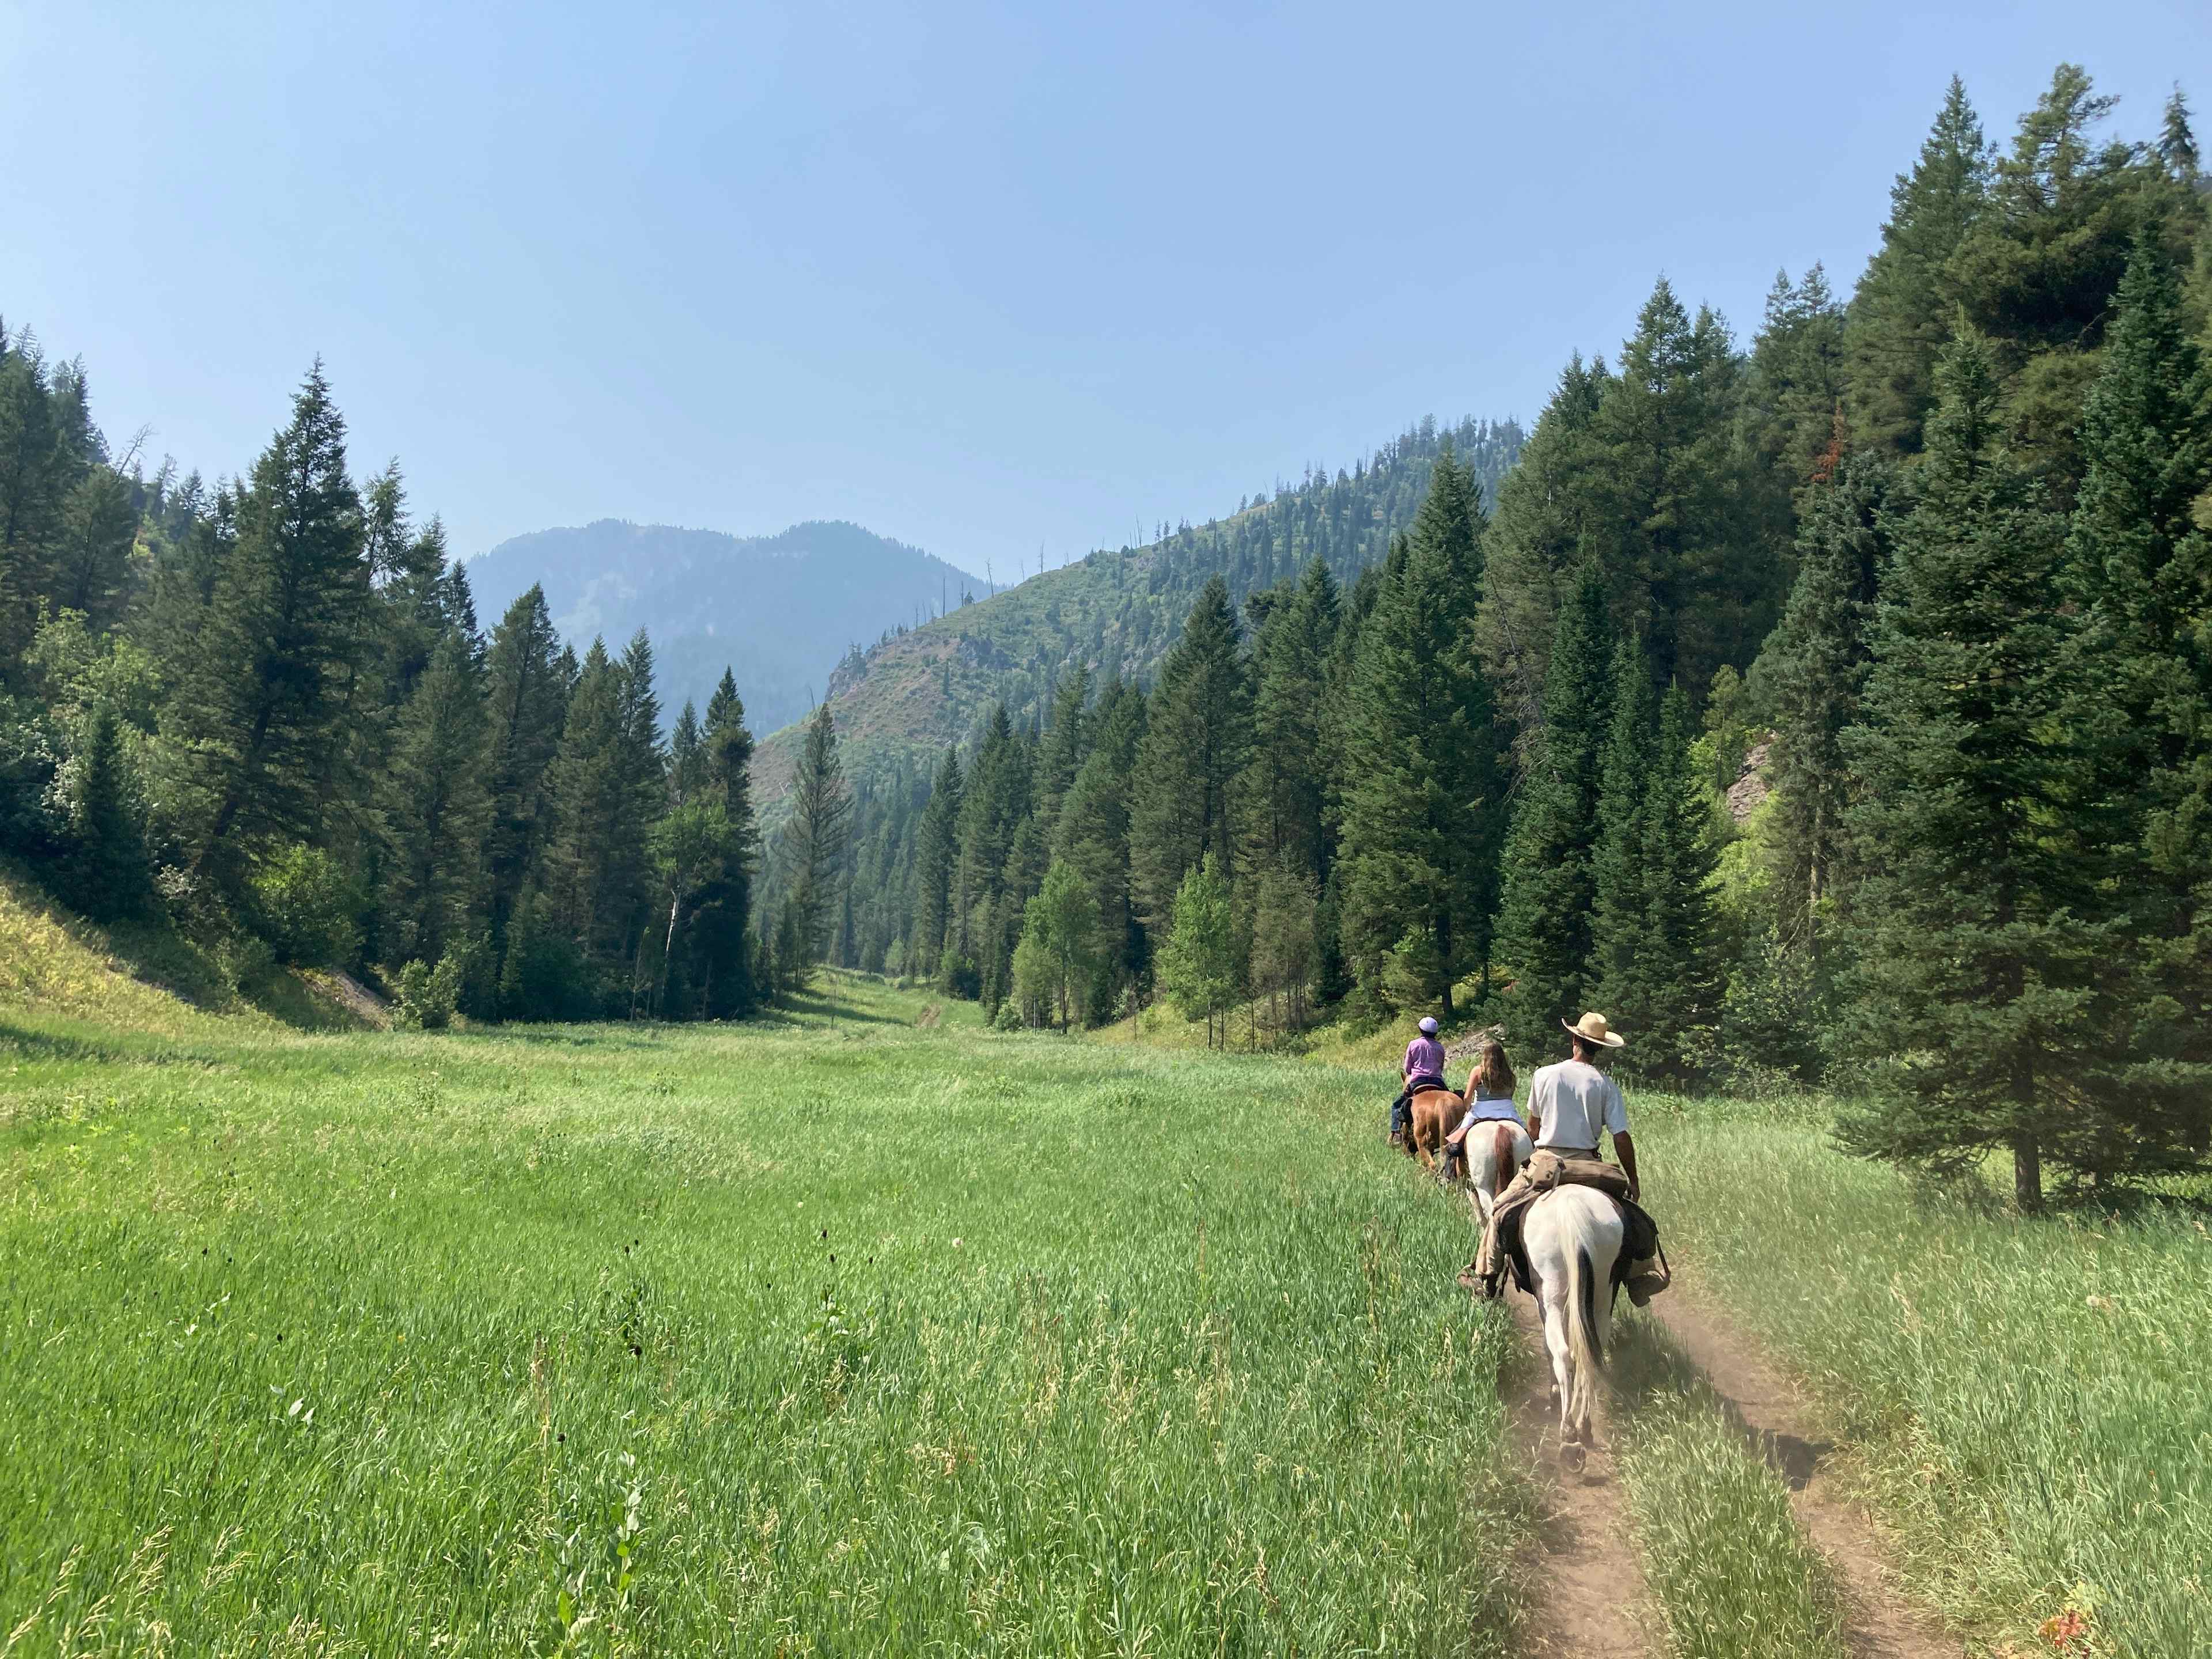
(865, 1330)
(827, 1336)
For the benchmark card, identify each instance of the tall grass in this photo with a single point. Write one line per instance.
(1732, 1576)
(2029, 1395)
(800, 1338)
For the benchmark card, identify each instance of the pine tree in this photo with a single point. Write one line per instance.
(1687, 517)
(2139, 567)
(1621, 880)
(262, 698)
(1092, 837)
(1538, 540)
(1974, 975)
(936, 856)
(2177, 140)
(687, 762)
(720, 970)
(1676, 976)
(542, 975)
(92, 559)
(435, 808)
(821, 821)
(1810, 675)
(525, 699)
(1197, 737)
(1544, 925)
(35, 478)
(1794, 401)
(1901, 314)
(2039, 273)
(992, 810)
(606, 792)
(1066, 739)
(1285, 786)
(108, 872)
(1423, 808)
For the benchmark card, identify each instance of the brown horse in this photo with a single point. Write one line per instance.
(1436, 1113)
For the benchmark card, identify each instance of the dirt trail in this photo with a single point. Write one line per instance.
(1880, 1623)
(1589, 1597)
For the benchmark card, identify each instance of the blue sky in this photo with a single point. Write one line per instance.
(979, 277)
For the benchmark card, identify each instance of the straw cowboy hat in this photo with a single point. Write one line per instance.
(1590, 1028)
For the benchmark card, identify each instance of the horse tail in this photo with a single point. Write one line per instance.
(1501, 1154)
(1582, 1333)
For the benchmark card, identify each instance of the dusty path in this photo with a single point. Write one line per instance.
(1589, 1593)
(1587, 1590)
(1880, 1623)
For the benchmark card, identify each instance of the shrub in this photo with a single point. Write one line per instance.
(428, 995)
(303, 907)
(245, 961)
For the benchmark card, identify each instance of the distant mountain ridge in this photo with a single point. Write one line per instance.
(1117, 612)
(779, 611)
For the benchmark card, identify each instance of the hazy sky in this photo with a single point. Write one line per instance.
(979, 277)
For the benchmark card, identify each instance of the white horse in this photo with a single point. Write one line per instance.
(1495, 1151)
(1572, 1235)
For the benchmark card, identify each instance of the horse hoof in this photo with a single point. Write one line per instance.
(1572, 1457)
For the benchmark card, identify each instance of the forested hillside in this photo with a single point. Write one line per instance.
(778, 612)
(1116, 612)
(1941, 554)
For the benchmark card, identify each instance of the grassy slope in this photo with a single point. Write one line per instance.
(857, 1337)
(52, 965)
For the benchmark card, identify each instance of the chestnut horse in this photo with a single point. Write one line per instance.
(1436, 1113)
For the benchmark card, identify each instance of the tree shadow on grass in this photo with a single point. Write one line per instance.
(809, 1008)
(1648, 1364)
(103, 1048)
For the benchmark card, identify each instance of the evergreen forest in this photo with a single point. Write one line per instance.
(1832, 706)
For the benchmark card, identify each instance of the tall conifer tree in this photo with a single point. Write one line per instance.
(435, 808)
(1811, 675)
(1900, 317)
(1423, 808)
(1677, 975)
(1620, 881)
(1550, 890)
(1198, 735)
(818, 836)
(260, 706)
(936, 856)
(526, 700)
(1976, 978)
(720, 972)
(2139, 567)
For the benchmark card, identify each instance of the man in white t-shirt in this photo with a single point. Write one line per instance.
(1571, 1105)
(1571, 1101)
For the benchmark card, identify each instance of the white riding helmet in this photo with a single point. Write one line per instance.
(1428, 1025)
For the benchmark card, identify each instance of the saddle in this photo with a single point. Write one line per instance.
(1641, 1267)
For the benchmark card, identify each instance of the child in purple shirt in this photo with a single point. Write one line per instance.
(1424, 1068)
